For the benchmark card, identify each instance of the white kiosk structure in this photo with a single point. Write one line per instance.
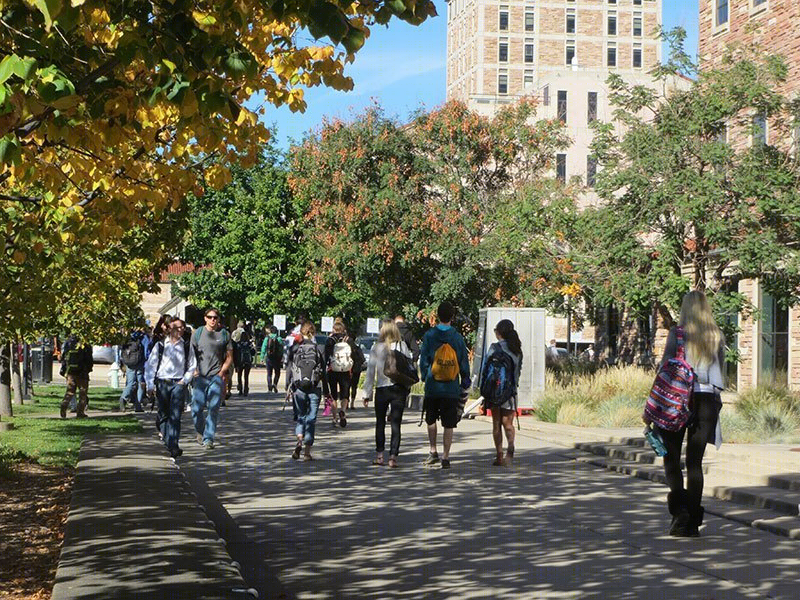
(530, 325)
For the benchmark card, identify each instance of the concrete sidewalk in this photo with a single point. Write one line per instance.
(135, 530)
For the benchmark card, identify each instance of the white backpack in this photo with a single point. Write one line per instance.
(342, 357)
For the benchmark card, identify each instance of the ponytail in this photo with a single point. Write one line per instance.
(506, 330)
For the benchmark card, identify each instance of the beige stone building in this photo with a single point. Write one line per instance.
(561, 52)
(769, 347)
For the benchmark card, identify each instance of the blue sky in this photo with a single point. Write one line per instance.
(403, 67)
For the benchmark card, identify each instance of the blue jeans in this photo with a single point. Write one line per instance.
(207, 391)
(171, 395)
(306, 405)
(134, 378)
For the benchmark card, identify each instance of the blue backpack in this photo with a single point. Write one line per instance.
(497, 380)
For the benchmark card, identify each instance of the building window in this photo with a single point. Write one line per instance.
(612, 23)
(502, 83)
(637, 2)
(529, 21)
(774, 341)
(561, 167)
(546, 95)
(611, 55)
(570, 54)
(759, 130)
(612, 1)
(502, 51)
(591, 171)
(592, 112)
(562, 106)
(503, 18)
(528, 58)
(721, 12)
(637, 25)
(757, 3)
(637, 56)
(527, 79)
(570, 20)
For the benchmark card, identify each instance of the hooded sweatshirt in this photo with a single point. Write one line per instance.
(408, 338)
(431, 341)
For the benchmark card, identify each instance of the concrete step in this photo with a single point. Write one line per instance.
(763, 507)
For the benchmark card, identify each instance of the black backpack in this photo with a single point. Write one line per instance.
(132, 354)
(497, 380)
(187, 343)
(275, 349)
(306, 367)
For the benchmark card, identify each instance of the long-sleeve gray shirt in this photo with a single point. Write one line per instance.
(377, 358)
(709, 378)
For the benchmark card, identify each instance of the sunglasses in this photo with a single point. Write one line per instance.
(214, 317)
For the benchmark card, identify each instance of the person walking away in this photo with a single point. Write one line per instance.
(407, 336)
(389, 395)
(500, 374)
(359, 366)
(214, 354)
(168, 372)
(306, 369)
(132, 355)
(76, 364)
(272, 356)
(704, 349)
(339, 360)
(444, 367)
(242, 357)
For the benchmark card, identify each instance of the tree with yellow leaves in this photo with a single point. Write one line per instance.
(110, 111)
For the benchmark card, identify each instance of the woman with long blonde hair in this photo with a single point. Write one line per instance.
(704, 344)
(389, 396)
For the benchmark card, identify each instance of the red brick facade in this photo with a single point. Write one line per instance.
(774, 25)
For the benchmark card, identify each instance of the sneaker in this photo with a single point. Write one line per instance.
(296, 453)
(138, 408)
(199, 438)
(433, 459)
(63, 412)
(445, 463)
(175, 453)
(121, 405)
(208, 444)
(342, 419)
(81, 415)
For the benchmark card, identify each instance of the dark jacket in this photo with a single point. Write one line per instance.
(84, 360)
(430, 343)
(408, 338)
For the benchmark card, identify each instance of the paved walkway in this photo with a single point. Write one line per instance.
(337, 528)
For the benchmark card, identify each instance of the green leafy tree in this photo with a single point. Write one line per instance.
(689, 201)
(247, 239)
(399, 218)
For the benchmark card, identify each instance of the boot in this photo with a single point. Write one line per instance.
(676, 503)
(695, 520)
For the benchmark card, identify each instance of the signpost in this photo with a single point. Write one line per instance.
(327, 324)
(374, 326)
(279, 321)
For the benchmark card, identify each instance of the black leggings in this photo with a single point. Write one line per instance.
(701, 427)
(394, 396)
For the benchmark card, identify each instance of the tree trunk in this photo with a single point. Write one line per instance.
(5, 380)
(16, 375)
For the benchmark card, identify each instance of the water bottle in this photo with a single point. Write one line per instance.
(656, 443)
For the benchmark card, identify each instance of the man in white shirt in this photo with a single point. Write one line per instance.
(168, 370)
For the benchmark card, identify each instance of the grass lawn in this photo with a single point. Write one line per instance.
(56, 441)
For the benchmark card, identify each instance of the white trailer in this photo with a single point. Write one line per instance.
(530, 325)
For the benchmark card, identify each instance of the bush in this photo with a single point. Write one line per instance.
(577, 414)
(752, 402)
(736, 428)
(620, 411)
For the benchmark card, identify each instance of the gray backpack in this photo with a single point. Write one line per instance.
(306, 366)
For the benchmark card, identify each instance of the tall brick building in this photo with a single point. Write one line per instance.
(562, 52)
(769, 347)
